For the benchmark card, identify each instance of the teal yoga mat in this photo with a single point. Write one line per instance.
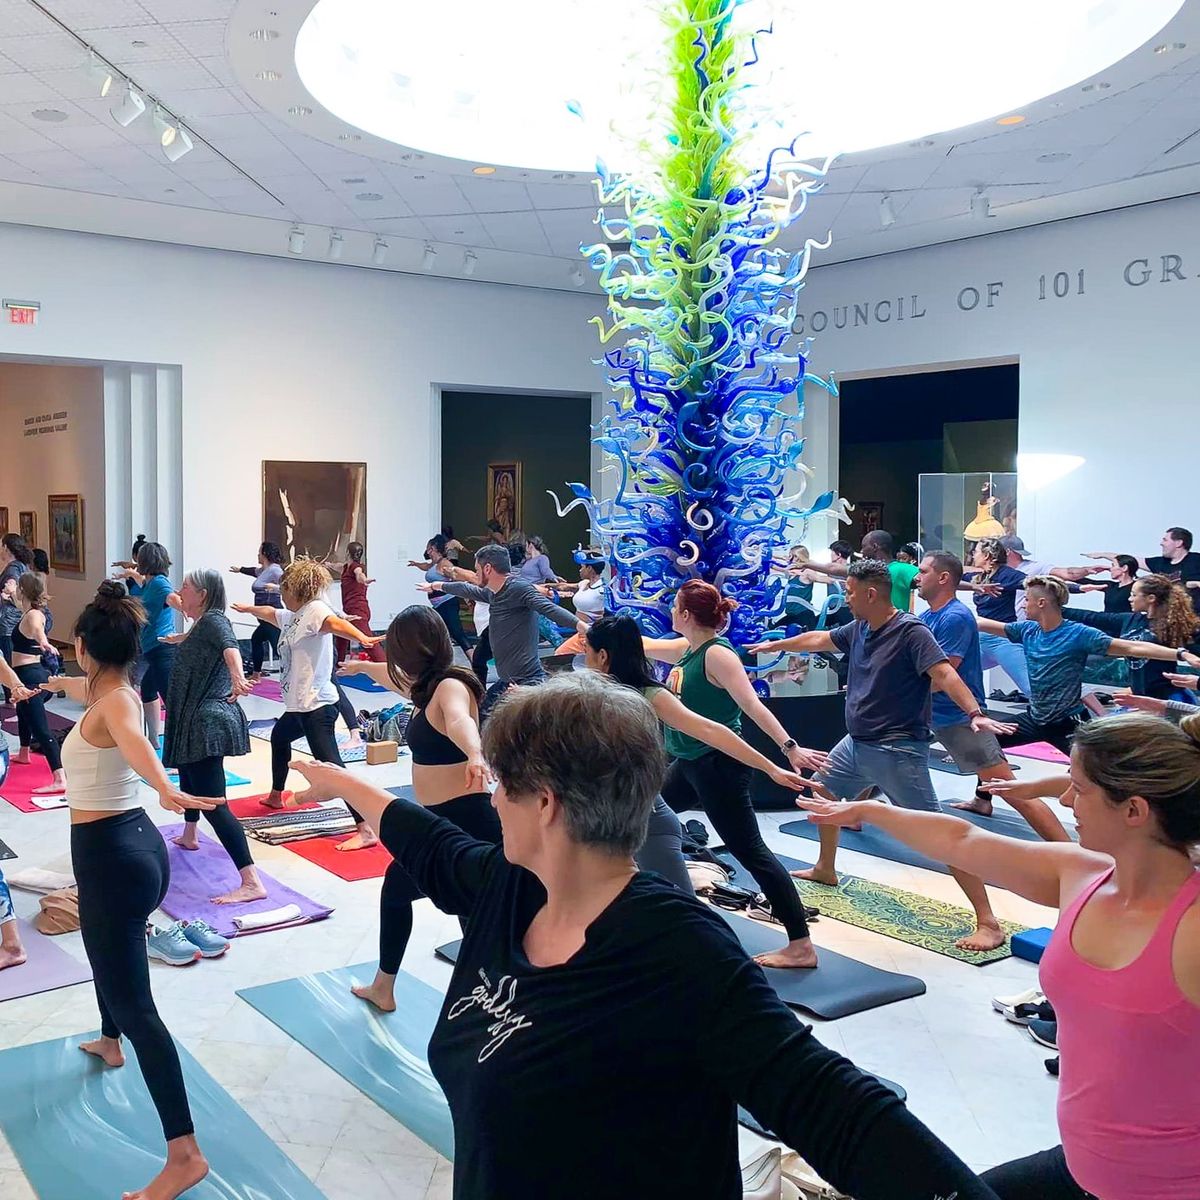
(384, 1055)
(83, 1132)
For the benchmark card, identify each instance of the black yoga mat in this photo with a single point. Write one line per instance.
(839, 987)
(6, 851)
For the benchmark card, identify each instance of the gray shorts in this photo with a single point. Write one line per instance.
(971, 751)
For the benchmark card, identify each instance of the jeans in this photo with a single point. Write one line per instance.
(206, 779)
(996, 651)
(264, 635)
(32, 727)
(156, 671)
(6, 905)
(720, 786)
(122, 873)
(1041, 1176)
(899, 768)
(662, 851)
(318, 727)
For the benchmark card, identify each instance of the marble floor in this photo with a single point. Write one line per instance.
(976, 1080)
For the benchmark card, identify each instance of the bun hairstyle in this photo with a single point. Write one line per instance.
(1136, 754)
(705, 603)
(355, 552)
(110, 628)
(304, 580)
(419, 655)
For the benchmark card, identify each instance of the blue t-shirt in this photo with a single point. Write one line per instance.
(887, 697)
(954, 627)
(1004, 606)
(1056, 662)
(160, 620)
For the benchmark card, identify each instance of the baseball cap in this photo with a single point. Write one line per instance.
(1014, 545)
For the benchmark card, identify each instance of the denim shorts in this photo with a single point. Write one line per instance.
(900, 769)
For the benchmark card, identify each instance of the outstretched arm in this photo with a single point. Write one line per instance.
(946, 679)
(988, 626)
(814, 640)
(377, 672)
(342, 628)
(1121, 648)
(668, 650)
(264, 612)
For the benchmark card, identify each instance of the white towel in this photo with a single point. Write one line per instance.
(34, 879)
(274, 916)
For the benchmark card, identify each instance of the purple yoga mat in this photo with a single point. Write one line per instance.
(198, 874)
(46, 968)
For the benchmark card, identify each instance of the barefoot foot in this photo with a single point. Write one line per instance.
(190, 840)
(798, 954)
(985, 937)
(243, 894)
(276, 799)
(23, 756)
(173, 1180)
(11, 956)
(817, 875)
(50, 789)
(361, 840)
(109, 1049)
(381, 997)
(977, 804)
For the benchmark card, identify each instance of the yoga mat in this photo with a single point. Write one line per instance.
(83, 1132)
(941, 760)
(268, 689)
(915, 920)
(46, 968)
(17, 789)
(384, 1055)
(6, 851)
(56, 723)
(360, 683)
(198, 874)
(1042, 751)
(231, 780)
(253, 806)
(262, 729)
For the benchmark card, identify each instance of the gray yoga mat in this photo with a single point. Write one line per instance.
(47, 967)
(6, 851)
(839, 987)
(83, 1132)
(384, 1055)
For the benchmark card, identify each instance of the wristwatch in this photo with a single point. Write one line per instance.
(790, 744)
(1181, 655)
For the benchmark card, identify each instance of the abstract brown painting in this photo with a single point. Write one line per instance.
(314, 509)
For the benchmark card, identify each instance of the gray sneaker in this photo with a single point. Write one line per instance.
(168, 945)
(205, 938)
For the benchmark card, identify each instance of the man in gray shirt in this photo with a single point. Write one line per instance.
(514, 606)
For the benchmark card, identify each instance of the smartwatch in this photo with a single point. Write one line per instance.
(790, 744)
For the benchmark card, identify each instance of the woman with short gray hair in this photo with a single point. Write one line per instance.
(599, 1016)
(205, 724)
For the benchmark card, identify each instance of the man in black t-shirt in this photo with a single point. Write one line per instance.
(1178, 561)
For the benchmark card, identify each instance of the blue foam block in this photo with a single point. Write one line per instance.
(83, 1132)
(384, 1055)
(1031, 944)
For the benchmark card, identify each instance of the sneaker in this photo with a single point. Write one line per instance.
(1045, 1033)
(1052, 1066)
(205, 938)
(1024, 1013)
(1007, 1004)
(170, 946)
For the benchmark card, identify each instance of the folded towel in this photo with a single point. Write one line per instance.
(34, 879)
(274, 916)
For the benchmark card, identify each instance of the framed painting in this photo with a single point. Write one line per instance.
(3, 521)
(66, 533)
(314, 509)
(27, 526)
(870, 515)
(504, 496)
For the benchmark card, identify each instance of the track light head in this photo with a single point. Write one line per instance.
(887, 213)
(470, 262)
(429, 258)
(336, 245)
(104, 76)
(981, 206)
(380, 252)
(296, 240)
(130, 107)
(179, 145)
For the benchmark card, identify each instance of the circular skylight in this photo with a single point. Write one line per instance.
(491, 82)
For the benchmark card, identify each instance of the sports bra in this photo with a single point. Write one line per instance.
(24, 645)
(98, 777)
(430, 748)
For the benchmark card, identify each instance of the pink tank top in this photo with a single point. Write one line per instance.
(1129, 1092)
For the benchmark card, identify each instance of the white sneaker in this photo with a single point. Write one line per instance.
(1007, 1004)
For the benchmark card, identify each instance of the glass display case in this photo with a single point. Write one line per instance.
(955, 511)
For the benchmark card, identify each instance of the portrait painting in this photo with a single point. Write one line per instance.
(870, 515)
(3, 521)
(26, 526)
(66, 532)
(504, 496)
(314, 509)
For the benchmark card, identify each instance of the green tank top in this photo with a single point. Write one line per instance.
(688, 681)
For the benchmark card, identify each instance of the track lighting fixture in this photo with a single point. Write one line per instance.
(105, 77)
(130, 107)
(981, 206)
(887, 214)
(470, 262)
(380, 253)
(429, 259)
(296, 240)
(336, 245)
(179, 145)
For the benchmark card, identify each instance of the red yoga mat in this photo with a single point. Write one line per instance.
(1042, 751)
(17, 789)
(246, 807)
(350, 865)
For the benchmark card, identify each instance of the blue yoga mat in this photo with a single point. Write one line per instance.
(361, 683)
(384, 1055)
(83, 1132)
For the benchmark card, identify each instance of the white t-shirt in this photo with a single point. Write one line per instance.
(307, 657)
(589, 601)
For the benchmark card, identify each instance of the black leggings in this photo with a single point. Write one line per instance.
(450, 614)
(206, 778)
(480, 656)
(263, 636)
(1041, 1176)
(720, 786)
(473, 814)
(1058, 733)
(318, 727)
(32, 727)
(121, 870)
(156, 671)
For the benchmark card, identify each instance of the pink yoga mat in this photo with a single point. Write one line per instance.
(17, 789)
(268, 689)
(197, 875)
(48, 967)
(1042, 751)
(350, 865)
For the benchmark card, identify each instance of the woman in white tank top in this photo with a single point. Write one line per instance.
(120, 862)
(589, 595)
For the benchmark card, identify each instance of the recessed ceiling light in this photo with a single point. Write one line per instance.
(418, 176)
(1093, 87)
(1058, 156)
(49, 114)
(1167, 47)
(355, 179)
(483, 170)
(923, 144)
(563, 175)
(139, 43)
(457, 232)
(1015, 119)
(349, 137)
(368, 196)
(268, 76)
(264, 35)
(300, 110)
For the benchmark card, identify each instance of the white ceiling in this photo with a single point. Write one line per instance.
(1133, 135)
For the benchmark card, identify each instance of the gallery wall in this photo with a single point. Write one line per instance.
(67, 459)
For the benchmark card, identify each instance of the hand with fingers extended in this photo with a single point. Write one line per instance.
(1050, 787)
(326, 781)
(804, 759)
(240, 687)
(1189, 683)
(172, 639)
(981, 723)
(173, 800)
(791, 780)
(825, 810)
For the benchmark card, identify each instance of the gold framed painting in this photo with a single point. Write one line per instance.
(504, 496)
(314, 509)
(66, 532)
(27, 526)
(3, 521)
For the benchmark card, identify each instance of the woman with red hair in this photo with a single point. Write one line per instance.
(708, 677)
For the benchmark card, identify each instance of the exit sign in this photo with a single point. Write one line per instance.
(22, 312)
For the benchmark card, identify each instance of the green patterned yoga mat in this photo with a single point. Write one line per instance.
(918, 920)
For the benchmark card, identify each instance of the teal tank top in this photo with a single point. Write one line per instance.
(689, 682)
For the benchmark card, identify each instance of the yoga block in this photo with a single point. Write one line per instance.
(1031, 944)
(382, 752)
